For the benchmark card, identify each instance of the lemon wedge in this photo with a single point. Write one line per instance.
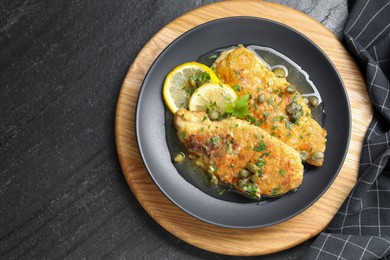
(182, 81)
(212, 96)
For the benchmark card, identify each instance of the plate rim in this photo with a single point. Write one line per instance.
(328, 60)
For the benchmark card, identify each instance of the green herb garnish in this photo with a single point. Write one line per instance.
(260, 146)
(201, 77)
(275, 191)
(251, 189)
(240, 108)
(236, 88)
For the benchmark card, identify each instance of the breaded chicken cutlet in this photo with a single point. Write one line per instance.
(239, 154)
(273, 107)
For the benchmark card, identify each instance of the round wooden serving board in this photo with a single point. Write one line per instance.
(238, 241)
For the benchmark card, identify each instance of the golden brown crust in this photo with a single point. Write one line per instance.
(227, 146)
(241, 67)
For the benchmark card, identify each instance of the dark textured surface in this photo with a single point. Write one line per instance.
(61, 187)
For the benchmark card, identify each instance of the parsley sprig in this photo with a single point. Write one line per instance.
(240, 108)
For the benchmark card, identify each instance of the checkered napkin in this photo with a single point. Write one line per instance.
(361, 228)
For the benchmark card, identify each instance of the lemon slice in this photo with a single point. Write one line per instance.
(182, 81)
(212, 96)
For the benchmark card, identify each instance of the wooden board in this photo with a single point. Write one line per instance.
(235, 241)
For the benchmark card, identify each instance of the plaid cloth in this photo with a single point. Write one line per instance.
(361, 228)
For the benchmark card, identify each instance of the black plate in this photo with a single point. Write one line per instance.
(150, 121)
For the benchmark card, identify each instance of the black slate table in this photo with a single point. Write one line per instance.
(62, 192)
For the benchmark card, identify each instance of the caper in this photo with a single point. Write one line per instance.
(254, 178)
(295, 111)
(179, 157)
(261, 98)
(293, 107)
(244, 173)
(304, 155)
(313, 101)
(306, 100)
(317, 156)
(192, 82)
(291, 89)
(213, 115)
(213, 180)
(252, 167)
(279, 72)
(241, 182)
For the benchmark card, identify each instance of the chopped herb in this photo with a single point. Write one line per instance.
(266, 114)
(281, 94)
(257, 123)
(275, 191)
(260, 146)
(204, 118)
(261, 120)
(240, 108)
(214, 139)
(222, 192)
(250, 119)
(189, 90)
(258, 89)
(206, 147)
(212, 106)
(270, 101)
(236, 88)
(216, 155)
(201, 77)
(301, 136)
(260, 162)
(213, 56)
(282, 172)
(251, 189)
(202, 129)
(274, 127)
(183, 135)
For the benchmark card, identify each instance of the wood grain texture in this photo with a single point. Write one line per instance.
(232, 241)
